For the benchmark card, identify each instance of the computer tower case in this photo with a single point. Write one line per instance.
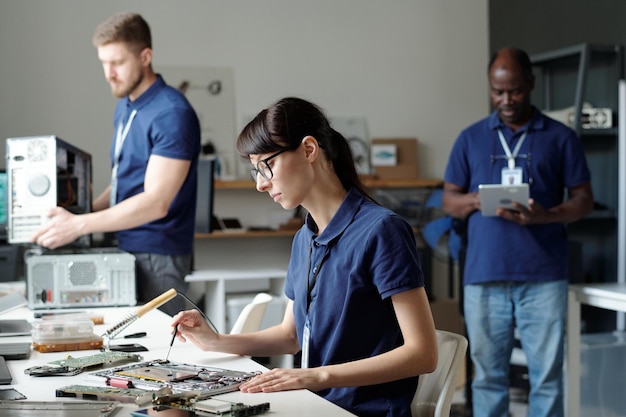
(43, 172)
(92, 277)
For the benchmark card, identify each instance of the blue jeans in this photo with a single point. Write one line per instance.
(539, 311)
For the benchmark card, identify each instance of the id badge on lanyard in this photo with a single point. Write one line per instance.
(310, 284)
(511, 174)
(122, 132)
(306, 336)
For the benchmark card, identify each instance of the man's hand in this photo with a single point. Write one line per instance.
(62, 228)
(522, 215)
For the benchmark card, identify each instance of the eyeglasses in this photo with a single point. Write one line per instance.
(263, 168)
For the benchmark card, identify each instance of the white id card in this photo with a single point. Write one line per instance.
(512, 176)
(306, 334)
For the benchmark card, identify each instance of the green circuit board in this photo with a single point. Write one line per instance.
(97, 359)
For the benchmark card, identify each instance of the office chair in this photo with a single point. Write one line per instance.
(250, 318)
(433, 397)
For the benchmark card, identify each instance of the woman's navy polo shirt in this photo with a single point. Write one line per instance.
(369, 255)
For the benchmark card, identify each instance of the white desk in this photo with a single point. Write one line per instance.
(302, 403)
(610, 296)
(215, 288)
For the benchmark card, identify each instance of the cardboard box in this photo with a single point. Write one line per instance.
(447, 316)
(405, 159)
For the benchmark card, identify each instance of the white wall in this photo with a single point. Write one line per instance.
(410, 67)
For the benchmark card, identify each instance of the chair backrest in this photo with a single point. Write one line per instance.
(250, 318)
(433, 397)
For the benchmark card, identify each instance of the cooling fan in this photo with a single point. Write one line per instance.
(37, 151)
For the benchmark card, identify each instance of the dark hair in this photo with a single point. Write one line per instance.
(519, 56)
(283, 125)
(126, 27)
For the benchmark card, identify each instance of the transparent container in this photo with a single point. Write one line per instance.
(61, 336)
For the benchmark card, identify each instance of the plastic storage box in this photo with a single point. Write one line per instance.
(61, 336)
(602, 374)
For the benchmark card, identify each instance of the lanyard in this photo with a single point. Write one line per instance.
(120, 137)
(310, 284)
(511, 156)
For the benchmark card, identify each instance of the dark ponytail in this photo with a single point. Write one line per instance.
(283, 126)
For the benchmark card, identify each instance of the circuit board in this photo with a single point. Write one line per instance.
(123, 395)
(164, 402)
(57, 409)
(96, 359)
(73, 366)
(206, 408)
(200, 380)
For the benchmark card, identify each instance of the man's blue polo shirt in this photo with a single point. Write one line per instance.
(165, 125)
(552, 159)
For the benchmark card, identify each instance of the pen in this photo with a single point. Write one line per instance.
(42, 314)
(171, 343)
(135, 335)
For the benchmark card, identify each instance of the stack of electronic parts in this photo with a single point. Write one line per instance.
(65, 332)
(163, 384)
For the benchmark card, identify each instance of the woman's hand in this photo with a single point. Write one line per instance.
(190, 325)
(286, 379)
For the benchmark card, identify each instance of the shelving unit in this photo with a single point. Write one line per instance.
(369, 182)
(573, 76)
(372, 183)
(246, 234)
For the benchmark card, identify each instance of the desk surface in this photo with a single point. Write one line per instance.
(302, 403)
(235, 273)
(610, 296)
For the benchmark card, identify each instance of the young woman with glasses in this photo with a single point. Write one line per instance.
(357, 311)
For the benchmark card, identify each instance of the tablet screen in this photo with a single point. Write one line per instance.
(494, 196)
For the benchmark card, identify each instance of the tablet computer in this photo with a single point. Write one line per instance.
(494, 196)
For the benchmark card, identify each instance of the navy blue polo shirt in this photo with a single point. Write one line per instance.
(165, 125)
(552, 159)
(366, 254)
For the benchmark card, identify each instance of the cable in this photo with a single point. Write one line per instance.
(133, 316)
(116, 329)
(208, 320)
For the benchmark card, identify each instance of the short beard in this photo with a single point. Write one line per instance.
(127, 91)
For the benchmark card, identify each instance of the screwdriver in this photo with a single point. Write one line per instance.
(171, 342)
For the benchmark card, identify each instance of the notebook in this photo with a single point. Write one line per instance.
(11, 301)
(13, 327)
(15, 350)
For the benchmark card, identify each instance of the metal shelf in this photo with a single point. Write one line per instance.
(577, 55)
